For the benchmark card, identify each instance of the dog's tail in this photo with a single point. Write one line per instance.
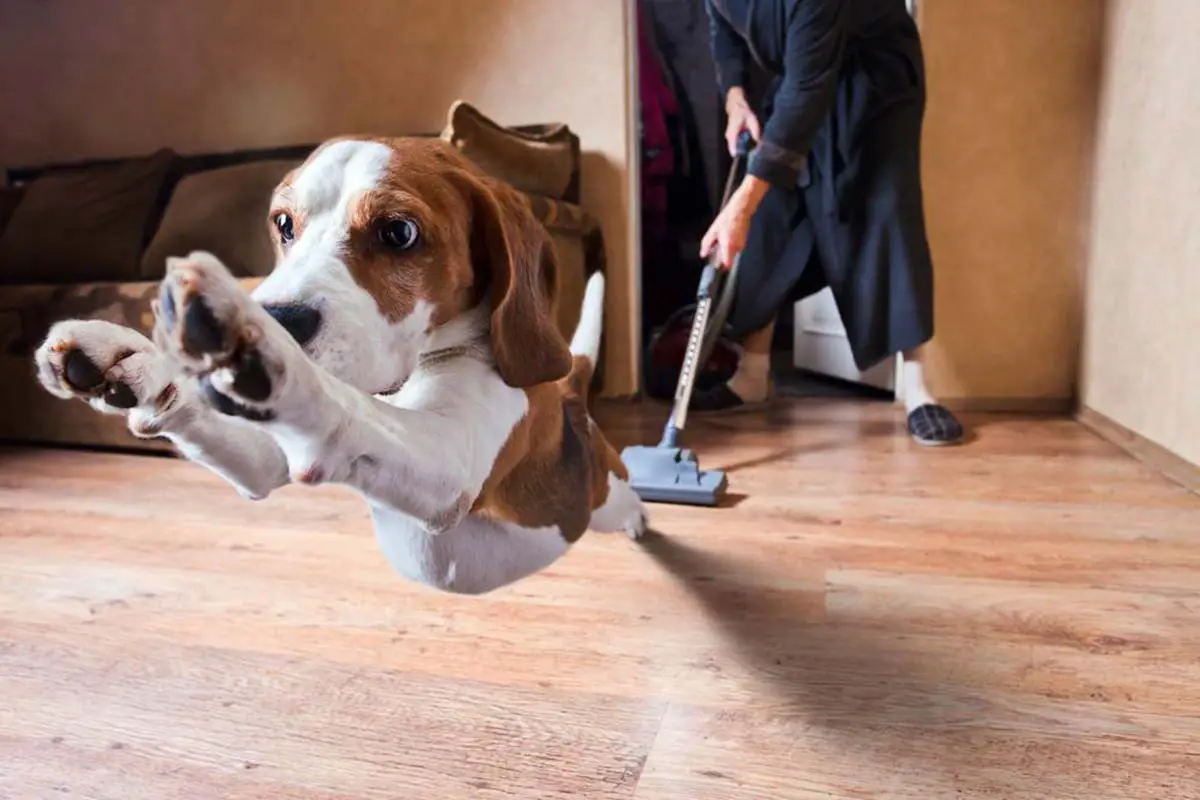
(586, 340)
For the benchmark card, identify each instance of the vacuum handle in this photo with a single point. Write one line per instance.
(707, 278)
(745, 143)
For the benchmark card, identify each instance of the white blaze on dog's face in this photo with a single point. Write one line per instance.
(381, 242)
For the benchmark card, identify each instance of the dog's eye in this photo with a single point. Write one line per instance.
(399, 234)
(283, 224)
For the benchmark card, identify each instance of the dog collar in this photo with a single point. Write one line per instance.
(468, 349)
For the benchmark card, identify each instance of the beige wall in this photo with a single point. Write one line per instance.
(91, 78)
(1142, 340)
(1007, 153)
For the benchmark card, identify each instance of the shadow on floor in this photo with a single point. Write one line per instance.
(873, 693)
(793, 382)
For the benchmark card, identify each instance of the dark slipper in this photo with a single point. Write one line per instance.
(718, 398)
(724, 398)
(932, 425)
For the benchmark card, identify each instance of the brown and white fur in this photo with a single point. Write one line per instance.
(403, 345)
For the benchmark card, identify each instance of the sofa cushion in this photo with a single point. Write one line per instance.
(541, 161)
(223, 211)
(86, 224)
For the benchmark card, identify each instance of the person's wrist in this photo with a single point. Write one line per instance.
(753, 189)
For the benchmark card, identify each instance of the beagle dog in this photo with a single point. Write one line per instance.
(403, 346)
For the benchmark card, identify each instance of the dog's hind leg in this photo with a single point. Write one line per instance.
(119, 371)
(622, 510)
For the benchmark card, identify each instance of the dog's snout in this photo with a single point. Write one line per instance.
(300, 320)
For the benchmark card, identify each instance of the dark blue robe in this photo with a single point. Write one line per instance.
(841, 150)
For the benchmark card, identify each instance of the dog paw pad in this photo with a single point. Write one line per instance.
(251, 380)
(202, 332)
(80, 373)
(112, 367)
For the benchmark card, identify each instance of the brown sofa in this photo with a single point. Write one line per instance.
(89, 240)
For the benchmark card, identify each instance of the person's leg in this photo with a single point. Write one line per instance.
(779, 247)
(929, 422)
(912, 376)
(752, 380)
(871, 233)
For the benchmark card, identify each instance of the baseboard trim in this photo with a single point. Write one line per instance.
(1056, 406)
(1041, 406)
(1158, 458)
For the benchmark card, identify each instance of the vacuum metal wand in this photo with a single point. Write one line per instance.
(704, 300)
(691, 356)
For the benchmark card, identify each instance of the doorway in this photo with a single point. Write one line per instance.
(684, 163)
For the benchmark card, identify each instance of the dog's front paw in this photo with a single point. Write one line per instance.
(218, 334)
(115, 369)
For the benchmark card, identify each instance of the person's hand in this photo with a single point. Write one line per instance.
(741, 118)
(726, 237)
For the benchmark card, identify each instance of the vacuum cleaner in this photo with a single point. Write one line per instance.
(669, 473)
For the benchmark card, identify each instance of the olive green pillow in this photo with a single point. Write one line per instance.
(542, 161)
(223, 211)
(86, 224)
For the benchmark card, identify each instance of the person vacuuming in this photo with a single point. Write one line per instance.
(832, 195)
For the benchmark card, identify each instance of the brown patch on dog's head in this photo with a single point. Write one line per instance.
(471, 237)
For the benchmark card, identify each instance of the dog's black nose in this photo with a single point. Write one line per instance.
(301, 321)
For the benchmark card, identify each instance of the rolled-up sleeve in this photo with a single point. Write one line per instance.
(816, 36)
(729, 52)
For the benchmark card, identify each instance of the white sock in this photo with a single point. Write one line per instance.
(752, 379)
(915, 393)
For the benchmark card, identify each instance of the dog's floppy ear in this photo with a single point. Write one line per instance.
(513, 250)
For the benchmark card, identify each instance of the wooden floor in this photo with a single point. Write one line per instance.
(1017, 618)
